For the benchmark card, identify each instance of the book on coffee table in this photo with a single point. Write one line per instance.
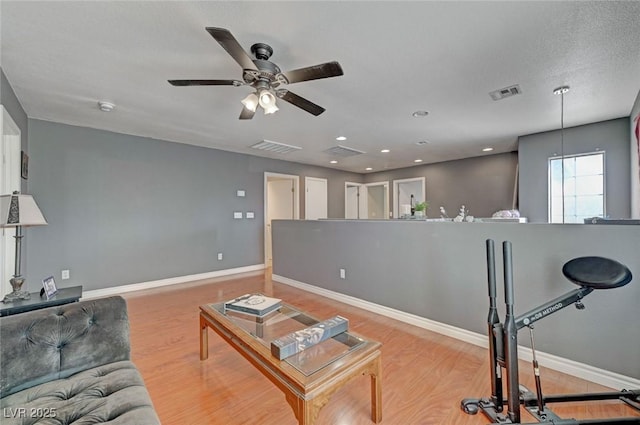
(298, 341)
(254, 304)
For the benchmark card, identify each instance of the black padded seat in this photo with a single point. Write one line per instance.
(597, 272)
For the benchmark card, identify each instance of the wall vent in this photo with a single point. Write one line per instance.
(343, 151)
(505, 92)
(275, 147)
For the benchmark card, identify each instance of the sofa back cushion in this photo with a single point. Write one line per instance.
(57, 342)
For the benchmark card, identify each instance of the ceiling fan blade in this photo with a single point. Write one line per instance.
(231, 45)
(316, 72)
(300, 102)
(247, 114)
(181, 83)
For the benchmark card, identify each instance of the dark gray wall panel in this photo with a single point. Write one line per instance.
(438, 271)
(125, 209)
(536, 149)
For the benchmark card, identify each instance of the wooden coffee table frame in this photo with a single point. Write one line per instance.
(305, 394)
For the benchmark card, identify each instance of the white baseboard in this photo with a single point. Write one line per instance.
(116, 290)
(570, 367)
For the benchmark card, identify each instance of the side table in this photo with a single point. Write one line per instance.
(63, 296)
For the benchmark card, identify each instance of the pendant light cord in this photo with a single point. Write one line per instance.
(561, 91)
(562, 147)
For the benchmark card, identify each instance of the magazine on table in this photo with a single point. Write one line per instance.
(255, 304)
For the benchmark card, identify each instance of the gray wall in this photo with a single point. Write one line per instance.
(535, 150)
(124, 209)
(437, 270)
(483, 184)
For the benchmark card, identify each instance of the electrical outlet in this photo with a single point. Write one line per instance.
(343, 274)
(219, 256)
(65, 274)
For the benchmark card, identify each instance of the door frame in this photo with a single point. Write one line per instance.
(396, 183)
(10, 147)
(296, 205)
(384, 183)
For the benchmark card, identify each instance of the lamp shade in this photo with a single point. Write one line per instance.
(20, 210)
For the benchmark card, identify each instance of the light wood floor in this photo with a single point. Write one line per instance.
(425, 374)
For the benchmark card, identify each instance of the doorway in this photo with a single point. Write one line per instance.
(366, 201)
(403, 190)
(281, 201)
(9, 181)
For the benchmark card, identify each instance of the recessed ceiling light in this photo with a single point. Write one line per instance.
(417, 160)
(368, 168)
(333, 161)
(341, 138)
(106, 106)
(487, 149)
(420, 114)
(385, 151)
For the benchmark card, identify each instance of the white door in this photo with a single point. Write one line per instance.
(353, 200)
(351, 195)
(9, 182)
(281, 202)
(315, 199)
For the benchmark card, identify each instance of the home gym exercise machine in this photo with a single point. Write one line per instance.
(588, 273)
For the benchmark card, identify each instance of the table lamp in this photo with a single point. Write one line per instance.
(19, 211)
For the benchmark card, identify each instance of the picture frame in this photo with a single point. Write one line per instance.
(24, 167)
(49, 287)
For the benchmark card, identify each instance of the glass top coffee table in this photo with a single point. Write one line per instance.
(309, 378)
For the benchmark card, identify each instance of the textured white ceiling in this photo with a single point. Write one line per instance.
(398, 57)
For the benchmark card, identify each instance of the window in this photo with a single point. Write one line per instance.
(583, 188)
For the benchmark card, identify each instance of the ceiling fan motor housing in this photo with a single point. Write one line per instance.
(262, 51)
(266, 71)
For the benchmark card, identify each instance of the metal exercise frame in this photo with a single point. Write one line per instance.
(503, 354)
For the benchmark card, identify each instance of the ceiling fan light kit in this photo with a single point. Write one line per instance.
(267, 101)
(264, 76)
(250, 102)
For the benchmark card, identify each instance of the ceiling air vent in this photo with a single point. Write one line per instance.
(343, 151)
(505, 92)
(275, 147)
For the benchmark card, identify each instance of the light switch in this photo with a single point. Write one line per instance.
(249, 214)
(240, 193)
(237, 215)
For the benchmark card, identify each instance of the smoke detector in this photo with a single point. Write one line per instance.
(106, 106)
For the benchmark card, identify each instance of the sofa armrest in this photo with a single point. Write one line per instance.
(57, 342)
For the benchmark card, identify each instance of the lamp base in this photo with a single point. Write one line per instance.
(18, 293)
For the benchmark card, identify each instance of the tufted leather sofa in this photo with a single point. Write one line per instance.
(71, 364)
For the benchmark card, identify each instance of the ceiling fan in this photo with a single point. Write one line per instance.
(265, 77)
